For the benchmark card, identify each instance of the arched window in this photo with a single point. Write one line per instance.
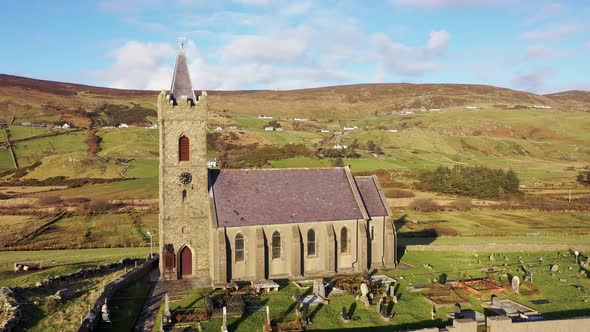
(239, 247)
(276, 245)
(311, 242)
(344, 240)
(183, 149)
(184, 196)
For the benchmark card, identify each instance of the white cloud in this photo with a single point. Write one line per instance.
(534, 80)
(149, 66)
(138, 66)
(430, 4)
(397, 58)
(540, 52)
(554, 31)
(280, 48)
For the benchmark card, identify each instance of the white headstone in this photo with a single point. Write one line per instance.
(224, 326)
(364, 289)
(515, 284)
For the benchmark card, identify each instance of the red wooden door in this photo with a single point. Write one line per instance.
(186, 262)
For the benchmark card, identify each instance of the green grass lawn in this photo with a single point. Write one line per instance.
(498, 223)
(59, 262)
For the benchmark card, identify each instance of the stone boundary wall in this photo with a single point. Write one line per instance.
(8, 296)
(9, 309)
(91, 321)
(505, 324)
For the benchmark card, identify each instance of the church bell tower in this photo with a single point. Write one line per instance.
(184, 201)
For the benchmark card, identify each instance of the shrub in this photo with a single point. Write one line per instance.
(424, 205)
(98, 206)
(398, 193)
(463, 204)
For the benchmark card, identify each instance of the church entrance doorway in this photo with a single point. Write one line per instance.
(186, 262)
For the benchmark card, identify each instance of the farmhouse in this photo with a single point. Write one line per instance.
(217, 226)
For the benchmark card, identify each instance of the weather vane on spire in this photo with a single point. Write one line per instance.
(181, 42)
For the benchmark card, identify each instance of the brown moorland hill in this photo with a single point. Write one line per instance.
(29, 98)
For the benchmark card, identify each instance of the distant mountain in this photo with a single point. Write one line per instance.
(29, 98)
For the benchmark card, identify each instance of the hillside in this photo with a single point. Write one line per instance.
(39, 100)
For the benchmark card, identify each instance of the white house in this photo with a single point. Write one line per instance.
(66, 126)
(154, 126)
(265, 117)
(108, 127)
(123, 125)
(299, 119)
(269, 128)
(340, 147)
(392, 130)
(435, 109)
(406, 112)
(218, 128)
(351, 128)
(471, 107)
(324, 131)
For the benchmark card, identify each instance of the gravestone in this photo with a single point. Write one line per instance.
(587, 263)
(529, 274)
(104, 312)
(167, 314)
(554, 268)
(392, 290)
(380, 305)
(384, 308)
(297, 295)
(496, 300)
(515, 284)
(344, 316)
(364, 290)
(577, 254)
(442, 279)
(457, 311)
(492, 257)
(433, 312)
(321, 290)
(268, 317)
(224, 325)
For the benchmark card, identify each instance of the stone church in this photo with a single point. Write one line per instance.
(254, 224)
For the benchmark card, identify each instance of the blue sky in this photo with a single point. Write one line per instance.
(538, 46)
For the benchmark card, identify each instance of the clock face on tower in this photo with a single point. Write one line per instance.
(185, 178)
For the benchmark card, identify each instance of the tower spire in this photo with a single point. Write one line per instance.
(181, 81)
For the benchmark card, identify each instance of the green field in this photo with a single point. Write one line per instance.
(19, 132)
(60, 262)
(497, 223)
(31, 151)
(139, 143)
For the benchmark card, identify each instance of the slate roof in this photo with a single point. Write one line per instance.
(248, 197)
(370, 195)
(181, 81)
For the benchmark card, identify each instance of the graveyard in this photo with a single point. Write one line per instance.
(427, 290)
